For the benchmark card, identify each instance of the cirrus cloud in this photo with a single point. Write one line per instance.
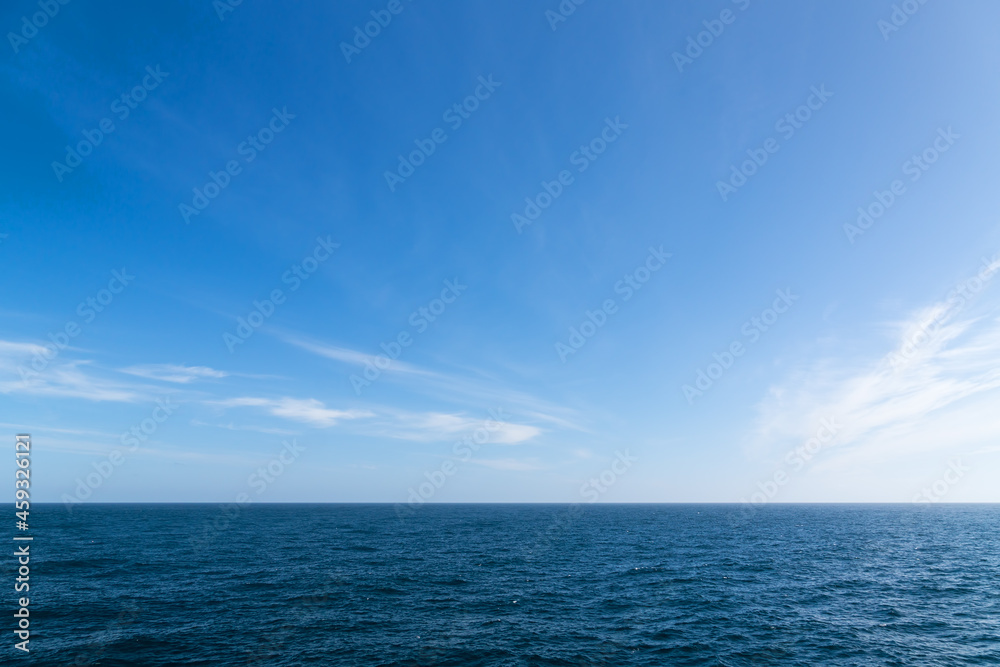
(305, 410)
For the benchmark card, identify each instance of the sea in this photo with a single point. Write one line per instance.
(509, 584)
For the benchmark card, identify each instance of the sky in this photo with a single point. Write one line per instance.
(412, 252)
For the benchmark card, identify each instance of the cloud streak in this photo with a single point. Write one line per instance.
(936, 398)
(304, 410)
(447, 386)
(174, 372)
(439, 427)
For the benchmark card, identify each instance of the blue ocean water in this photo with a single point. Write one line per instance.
(546, 585)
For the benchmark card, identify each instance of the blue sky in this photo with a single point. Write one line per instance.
(246, 152)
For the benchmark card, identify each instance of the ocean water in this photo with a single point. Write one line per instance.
(552, 585)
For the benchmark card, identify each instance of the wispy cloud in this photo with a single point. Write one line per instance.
(72, 380)
(11, 351)
(255, 429)
(480, 389)
(305, 410)
(30, 369)
(930, 392)
(174, 372)
(439, 426)
(352, 357)
(67, 431)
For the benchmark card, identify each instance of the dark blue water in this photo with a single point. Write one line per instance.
(514, 585)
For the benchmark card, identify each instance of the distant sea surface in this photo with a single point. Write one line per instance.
(547, 585)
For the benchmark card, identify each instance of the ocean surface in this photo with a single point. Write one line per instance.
(552, 585)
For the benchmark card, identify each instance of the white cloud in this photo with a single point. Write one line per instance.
(255, 429)
(306, 410)
(933, 392)
(439, 426)
(67, 431)
(512, 434)
(34, 371)
(354, 357)
(174, 373)
(13, 352)
(71, 380)
(450, 387)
